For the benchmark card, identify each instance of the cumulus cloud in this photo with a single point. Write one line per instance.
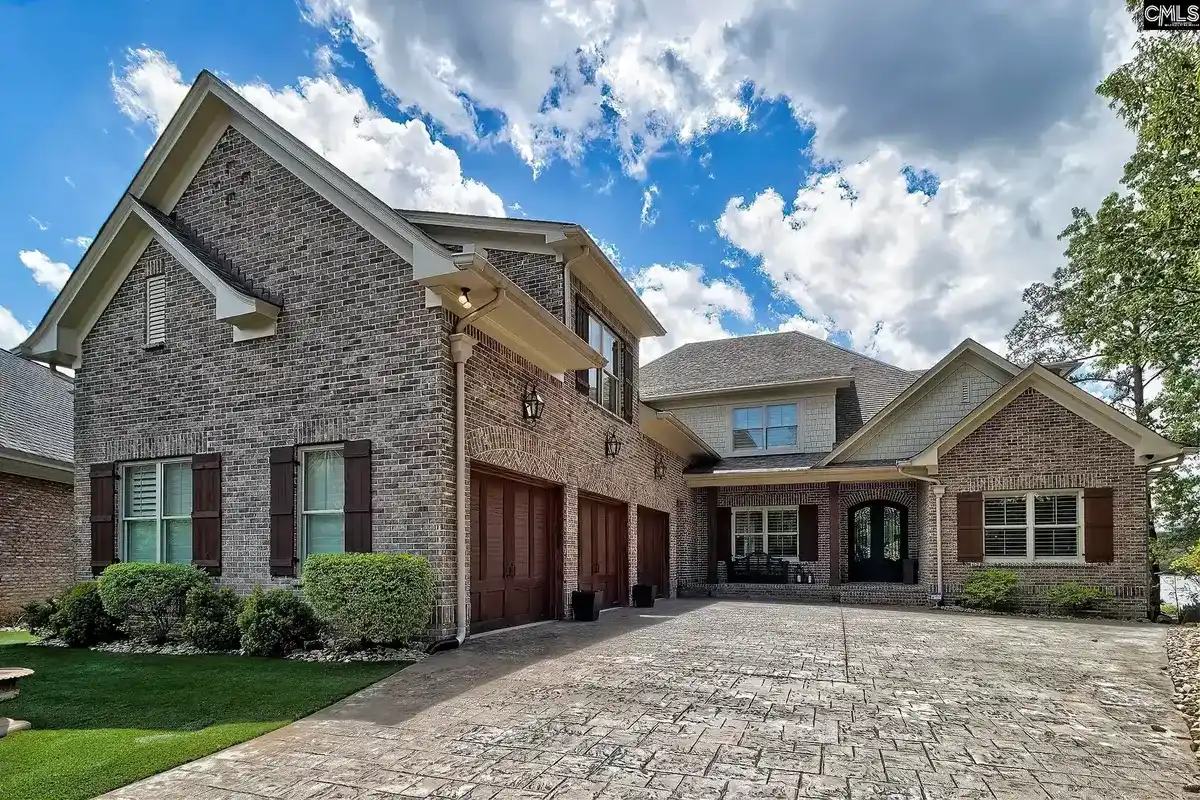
(398, 161)
(12, 333)
(803, 324)
(689, 307)
(46, 271)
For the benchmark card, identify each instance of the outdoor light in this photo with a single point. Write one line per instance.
(660, 467)
(532, 404)
(612, 445)
(464, 299)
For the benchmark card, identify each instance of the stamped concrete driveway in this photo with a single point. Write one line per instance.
(740, 700)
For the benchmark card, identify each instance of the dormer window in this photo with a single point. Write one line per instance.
(767, 427)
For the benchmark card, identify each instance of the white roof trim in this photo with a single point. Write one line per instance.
(835, 380)
(795, 475)
(927, 379)
(18, 462)
(1148, 446)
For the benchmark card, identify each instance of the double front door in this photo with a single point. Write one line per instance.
(604, 549)
(514, 535)
(878, 541)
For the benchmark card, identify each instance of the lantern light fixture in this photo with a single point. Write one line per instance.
(532, 404)
(612, 445)
(660, 467)
(464, 299)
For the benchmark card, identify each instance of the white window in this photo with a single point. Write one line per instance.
(605, 383)
(156, 511)
(775, 531)
(1033, 526)
(156, 310)
(764, 427)
(322, 500)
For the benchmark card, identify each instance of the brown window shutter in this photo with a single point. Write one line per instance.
(1098, 525)
(104, 516)
(808, 533)
(356, 459)
(627, 381)
(283, 511)
(723, 535)
(582, 384)
(970, 526)
(206, 511)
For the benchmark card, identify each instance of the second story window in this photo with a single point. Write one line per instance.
(610, 386)
(765, 427)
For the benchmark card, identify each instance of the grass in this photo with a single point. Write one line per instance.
(103, 720)
(16, 637)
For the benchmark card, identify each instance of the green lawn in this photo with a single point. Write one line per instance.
(16, 637)
(102, 720)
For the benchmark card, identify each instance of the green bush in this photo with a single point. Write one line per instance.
(210, 618)
(370, 598)
(1072, 597)
(80, 619)
(275, 622)
(147, 599)
(1169, 609)
(994, 589)
(36, 616)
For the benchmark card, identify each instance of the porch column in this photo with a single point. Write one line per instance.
(835, 534)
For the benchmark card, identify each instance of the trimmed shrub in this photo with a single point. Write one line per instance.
(275, 622)
(81, 620)
(148, 599)
(1072, 597)
(37, 615)
(370, 598)
(210, 618)
(993, 589)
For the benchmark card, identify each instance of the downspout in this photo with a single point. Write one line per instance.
(938, 490)
(461, 349)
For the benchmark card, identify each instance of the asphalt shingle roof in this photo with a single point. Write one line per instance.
(36, 409)
(778, 358)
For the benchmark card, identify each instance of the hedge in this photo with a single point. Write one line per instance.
(80, 619)
(147, 599)
(994, 589)
(210, 618)
(275, 622)
(370, 598)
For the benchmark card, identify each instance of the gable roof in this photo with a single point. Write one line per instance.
(782, 358)
(1148, 446)
(967, 348)
(36, 412)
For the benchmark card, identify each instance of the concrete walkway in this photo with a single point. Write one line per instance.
(740, 700)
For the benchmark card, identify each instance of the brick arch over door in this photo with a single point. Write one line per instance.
(519, 451)
(901, 493)
(601, 477)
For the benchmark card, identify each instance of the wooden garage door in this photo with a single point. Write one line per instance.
(653, 550)
(604, 549)
(513, 536)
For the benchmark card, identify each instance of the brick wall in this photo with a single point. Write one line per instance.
(539, 274)
(357, 356)
(1034, 443)
(35, 541)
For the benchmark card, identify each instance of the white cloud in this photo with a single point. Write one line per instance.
(803, 324)
(690, 308)
(12, 333)
(610, 250)
(649, 215)
(82, 242)
(41, 226)
(48, 273)
(397, 161)
(70, 182)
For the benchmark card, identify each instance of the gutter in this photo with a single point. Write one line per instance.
(939, 489)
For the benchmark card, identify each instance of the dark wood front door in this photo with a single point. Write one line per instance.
(604, 549)
(654, 550)
(878, 541)
(514, 528)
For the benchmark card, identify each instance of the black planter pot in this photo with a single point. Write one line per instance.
(643, 595)
(587, 605)
(909, 568)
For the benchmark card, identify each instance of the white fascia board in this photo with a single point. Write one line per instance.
(17, 462)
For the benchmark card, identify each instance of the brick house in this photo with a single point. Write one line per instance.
(271, 363)
(36, 483)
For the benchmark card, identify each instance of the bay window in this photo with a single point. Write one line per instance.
(1032, 526)
(322, 500)
(156, 511)
(775, 531)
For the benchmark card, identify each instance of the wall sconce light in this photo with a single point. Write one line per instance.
(464, 299)
(612, 445)
(660, 467)
(532, 404)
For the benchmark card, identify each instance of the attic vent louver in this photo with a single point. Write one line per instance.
(156, 310)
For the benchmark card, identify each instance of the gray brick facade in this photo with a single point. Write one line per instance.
(35, 541)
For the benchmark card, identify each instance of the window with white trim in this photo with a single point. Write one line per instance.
(765, 427)
(156, 511)
(1033, 526)
(775, 531)
(605, 382)
(322, 493)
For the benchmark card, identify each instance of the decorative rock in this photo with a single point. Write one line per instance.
(8, 725)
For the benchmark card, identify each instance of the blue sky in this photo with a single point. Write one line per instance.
(749, 172)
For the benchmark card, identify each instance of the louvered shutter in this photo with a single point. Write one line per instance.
(582, 383)
(1098, 525)
(808, 533)
(627, 368)
(206, 511)
(156, 310)
(970, 526)
(103, 516)
(722, 536)
(283, 511)
(356, 460)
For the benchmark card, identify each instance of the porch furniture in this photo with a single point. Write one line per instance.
(762, 568)
(10, 679)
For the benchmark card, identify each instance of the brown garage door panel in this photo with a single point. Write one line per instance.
(604, 549)
(654, 567)
(512, 550)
